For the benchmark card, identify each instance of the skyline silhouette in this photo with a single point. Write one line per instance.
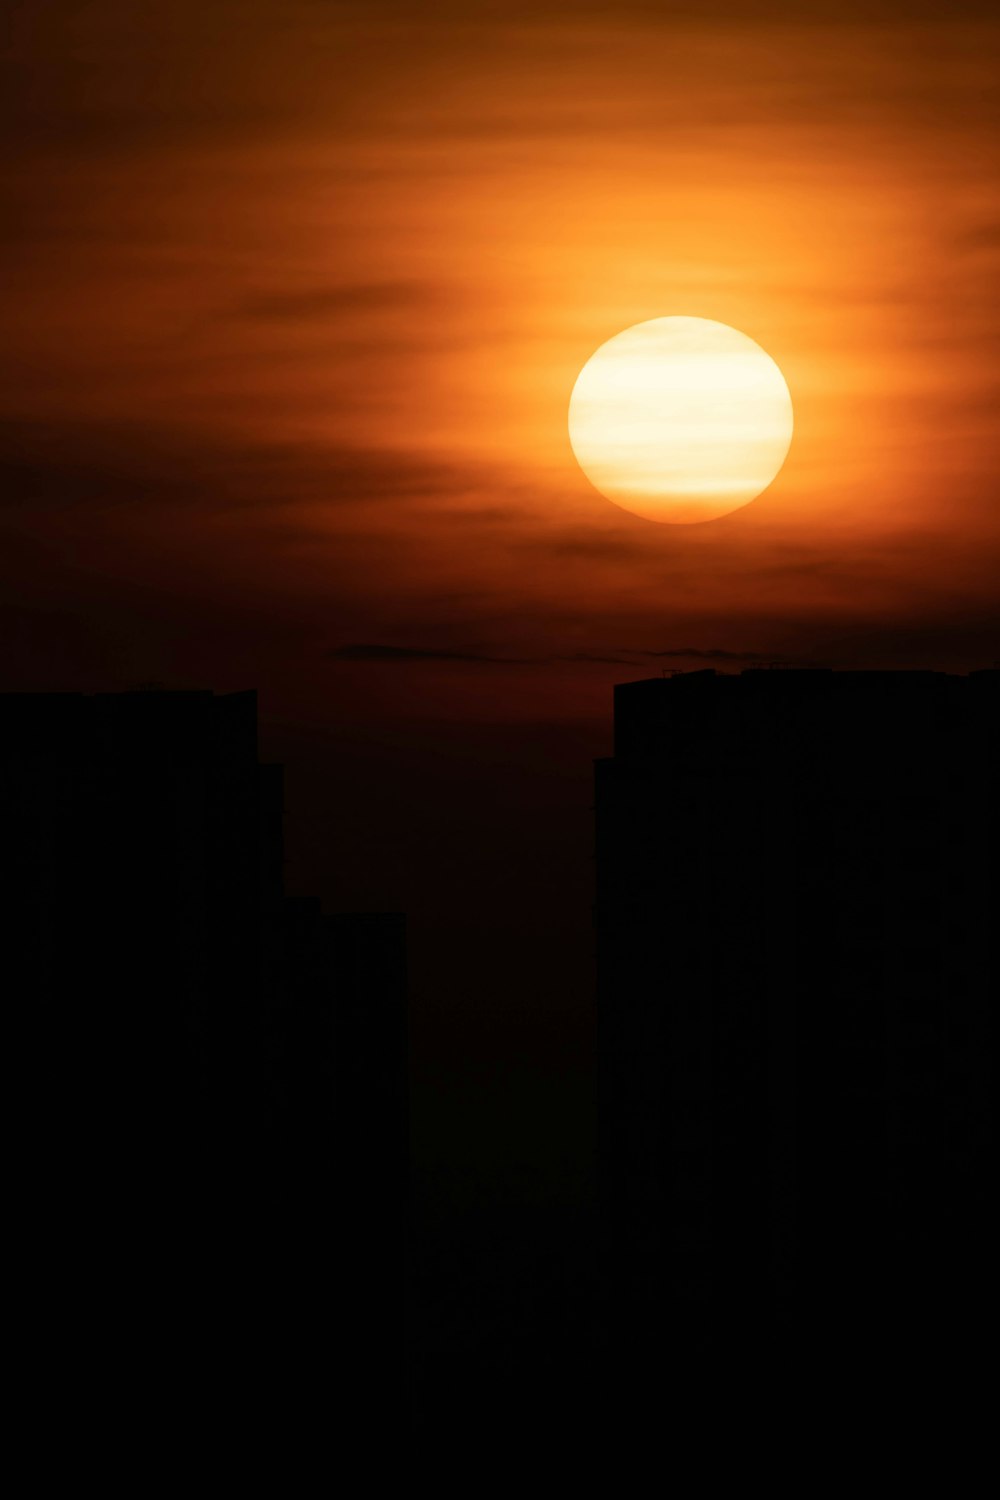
(796, 982)
(211, 1075)
(796, 882)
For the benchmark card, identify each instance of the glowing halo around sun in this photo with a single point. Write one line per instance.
(680, 419)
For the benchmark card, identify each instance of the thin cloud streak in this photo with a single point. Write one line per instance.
(714, 654)
(408, 655)
(357, 300)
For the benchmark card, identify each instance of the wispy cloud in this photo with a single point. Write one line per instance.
(714, 654)
(610, 661)
(336, 300)
(66, 462)
(407, 655)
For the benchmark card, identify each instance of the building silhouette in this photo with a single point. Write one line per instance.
(211, 1154)
(797, 977)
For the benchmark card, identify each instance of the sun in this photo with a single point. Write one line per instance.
(680, 419)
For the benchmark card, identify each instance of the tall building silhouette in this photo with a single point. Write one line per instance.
(211, 1077)
(797, 892)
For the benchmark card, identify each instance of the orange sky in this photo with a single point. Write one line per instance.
(296, 293)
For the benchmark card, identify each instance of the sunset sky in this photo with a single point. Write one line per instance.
(296, 293)
(294, 297)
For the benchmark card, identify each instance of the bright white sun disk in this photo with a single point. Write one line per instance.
(680, 419)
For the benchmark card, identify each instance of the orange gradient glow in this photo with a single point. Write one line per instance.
(680, 419)
(304, 339)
